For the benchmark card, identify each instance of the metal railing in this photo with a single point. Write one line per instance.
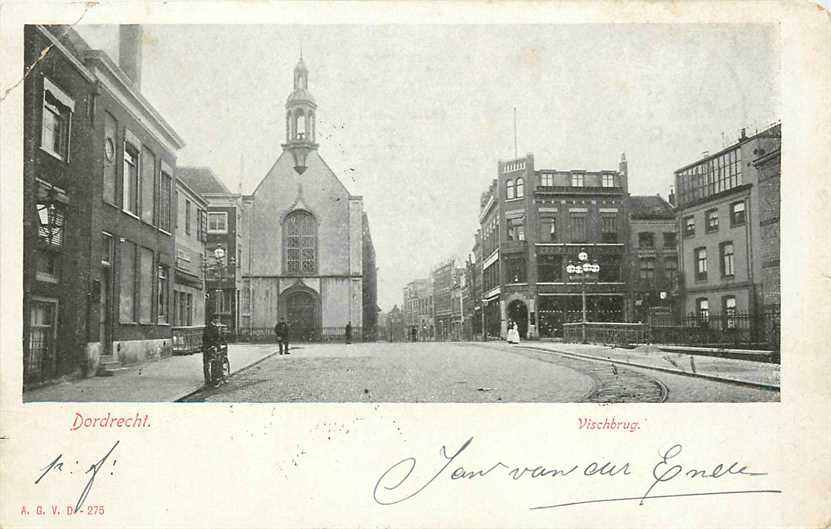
(298, 334)
(187, 340)
(604, 332)
(737, 330)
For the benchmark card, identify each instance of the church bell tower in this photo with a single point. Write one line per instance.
(300, 119)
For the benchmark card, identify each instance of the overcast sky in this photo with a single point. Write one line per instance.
(415, 118)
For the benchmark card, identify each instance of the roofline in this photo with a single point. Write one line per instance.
(213, 175)
(729, 148)
(768, 156)
(88, 75)
(181, 182)
(572, 171)
(116, 72)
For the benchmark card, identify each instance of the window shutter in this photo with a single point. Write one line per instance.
(203, 226)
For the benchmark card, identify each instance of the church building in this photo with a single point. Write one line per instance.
(306, 235)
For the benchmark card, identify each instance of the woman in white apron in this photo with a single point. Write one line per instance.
(513, 333)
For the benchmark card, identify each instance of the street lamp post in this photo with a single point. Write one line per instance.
(581, 270)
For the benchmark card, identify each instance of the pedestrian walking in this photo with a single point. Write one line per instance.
(513, 333)
(281, 330)
(347, 331)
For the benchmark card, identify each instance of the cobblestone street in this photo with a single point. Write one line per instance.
(459, 372)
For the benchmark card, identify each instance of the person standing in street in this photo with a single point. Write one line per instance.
(347, 331)
(281, 330)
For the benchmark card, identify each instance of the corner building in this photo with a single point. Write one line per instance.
(724, 208)
(306, 237)
(532, 222)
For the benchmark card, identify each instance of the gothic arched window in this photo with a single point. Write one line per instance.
(300, 243)
(509, 189)
(520, 187)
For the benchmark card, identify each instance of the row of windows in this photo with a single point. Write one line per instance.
(515, 189)
(738, 217)
(727, 263)
(577, 180)
(646, 239)
(141, 277)
(550, 268)
(712, 176)
(647, 268)
(146, 185)
(579, 230)
(728, 310)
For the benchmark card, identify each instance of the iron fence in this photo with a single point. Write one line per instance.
(187, 340)
(737, 330)
(605, 333)
(298, 334)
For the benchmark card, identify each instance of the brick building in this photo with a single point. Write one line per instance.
(98, 183)
(58, 155)
(768, 165)
(532, 222)
(474, 315)
(189, 279)
(652, 259)
(224, 233)
(721, 206)
(443, 281)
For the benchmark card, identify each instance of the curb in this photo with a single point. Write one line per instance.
(716, 378)
(240, 370)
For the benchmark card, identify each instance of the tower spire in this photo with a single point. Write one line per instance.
(300, 117)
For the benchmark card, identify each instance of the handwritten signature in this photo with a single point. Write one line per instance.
(397, 485)
(57, 465)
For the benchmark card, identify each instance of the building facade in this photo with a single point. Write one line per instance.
(720, 211)
(305, 258)
(768, 166)
(443, 282)
(419, 312)
(220, 224)
(652, 260)
(98, 181)
(189, 279)
(369, 292)
(396, 330)
(532, 223)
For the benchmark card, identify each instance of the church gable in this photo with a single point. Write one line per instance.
(303, 219)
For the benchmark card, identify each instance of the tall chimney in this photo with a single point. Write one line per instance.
(129, 52)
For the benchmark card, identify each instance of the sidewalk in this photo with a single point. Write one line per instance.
(729, 370)
(165, 380)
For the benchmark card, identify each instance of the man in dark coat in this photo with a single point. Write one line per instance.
(282, 332)
(212, 335)
(347, 331)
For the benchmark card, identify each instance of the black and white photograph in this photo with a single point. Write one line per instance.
(383, 214)
(335, 264)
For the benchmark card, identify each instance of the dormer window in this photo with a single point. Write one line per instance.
(577, 180)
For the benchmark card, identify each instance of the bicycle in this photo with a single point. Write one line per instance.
(216, 366)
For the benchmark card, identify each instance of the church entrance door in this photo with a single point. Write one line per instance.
(301, 315)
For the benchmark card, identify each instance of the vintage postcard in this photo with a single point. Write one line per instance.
(394, 264)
